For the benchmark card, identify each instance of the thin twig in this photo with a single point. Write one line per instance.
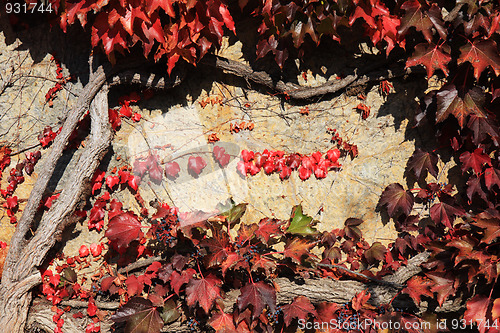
(363, 276)
(82, 304)
(139, 264)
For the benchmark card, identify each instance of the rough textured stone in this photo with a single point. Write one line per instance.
(177, 118)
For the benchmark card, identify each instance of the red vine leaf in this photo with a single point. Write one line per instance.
(421, 162)
(396, 199)
(474, 187)
(421, 19)
(360, 299)
(123, 229)
(140, 315)
(375, 253)
(177, 280)
(222, 323)
(474, 160)
(267, 228)
(134, 286)
(491, 227)
(261, 262)
(297, 249)
(476, 311)
(481, 54)
(432, 56)
(203, 291)
(258, 295)
(450, 103)
(442, 213)
(443, 285)
(300, 308)
(482, 127)
(196, 164)
(172, 169)
(492, 177)
(417, 287)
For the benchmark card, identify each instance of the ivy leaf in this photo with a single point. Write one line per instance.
(481, 54)
(296, 249)
(450, 103)
(476, 311)
(300, 223)
(196, 164)
(258, 295)
(203, 291)
(431, 56)
(222, 323)
(417, 287)
(492, 177)
(134, 286)
(219, 247)
(300, 308)
(474, 160)
(177, 280)
(442, 213)
(123, 229)
(169, 313)
(236, 212)
(491, 228)
(421, 162)
(474, 187)
(261, 262)
(396, 199)
(141, 316)
(351, 228)
(375, 253)
(481, 128)
(421, 20)
(172, 169)
(267, 228)
(360, 299)
(443, 285)
(495, 310)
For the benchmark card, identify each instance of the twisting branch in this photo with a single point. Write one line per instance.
(18, 241)
(318, 290)
(295, 91)
(20, 274)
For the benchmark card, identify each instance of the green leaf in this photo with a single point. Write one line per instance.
(169, 314)
(301, 224)
(68, 275)
(235, 213)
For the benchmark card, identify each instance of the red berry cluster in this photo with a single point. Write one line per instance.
(276, 161)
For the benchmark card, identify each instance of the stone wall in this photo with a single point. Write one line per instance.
(175, 122)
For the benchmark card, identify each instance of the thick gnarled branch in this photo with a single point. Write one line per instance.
(296, 91)
(14, 300)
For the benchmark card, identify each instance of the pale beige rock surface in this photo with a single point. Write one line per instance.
(177, 118)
